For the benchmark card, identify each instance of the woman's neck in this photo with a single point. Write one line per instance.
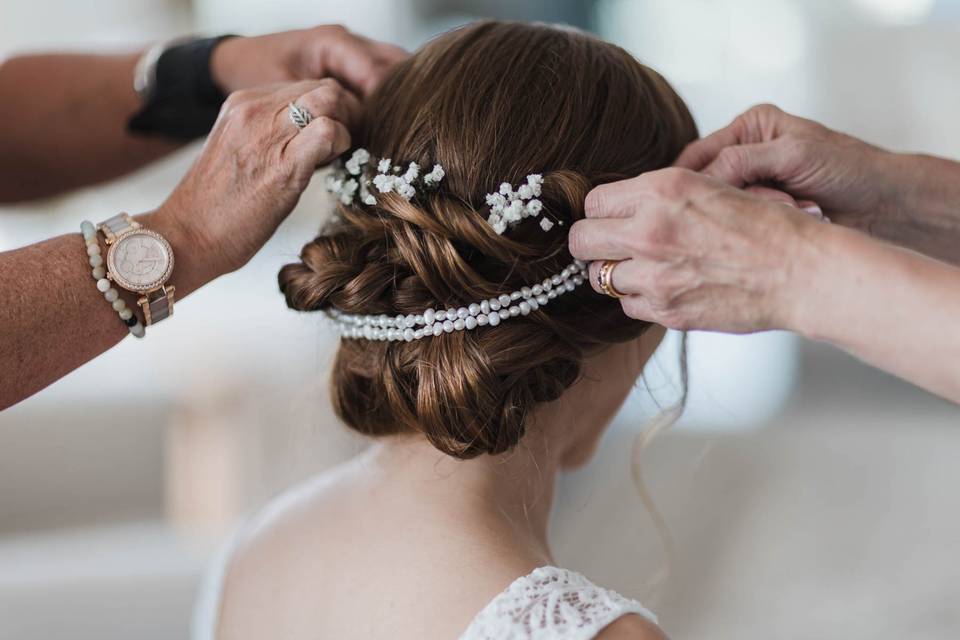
(497, 500)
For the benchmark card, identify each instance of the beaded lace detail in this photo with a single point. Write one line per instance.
(551, 604)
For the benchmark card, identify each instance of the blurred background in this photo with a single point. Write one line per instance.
(807, 495)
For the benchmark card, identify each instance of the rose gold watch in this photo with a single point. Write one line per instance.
(141, 261)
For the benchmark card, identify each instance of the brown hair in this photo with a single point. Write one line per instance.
(491, 102)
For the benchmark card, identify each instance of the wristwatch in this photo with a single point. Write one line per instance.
(141, 261)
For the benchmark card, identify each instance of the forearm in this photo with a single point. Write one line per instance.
(52, 317)
(923, 211)
(63, 123)
(890, 307)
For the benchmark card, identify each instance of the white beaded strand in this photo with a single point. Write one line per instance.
(99, 274)
(433, 322)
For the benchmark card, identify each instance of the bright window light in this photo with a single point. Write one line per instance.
(898, 12)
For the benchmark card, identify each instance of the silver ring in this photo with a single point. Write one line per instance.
(299, 116)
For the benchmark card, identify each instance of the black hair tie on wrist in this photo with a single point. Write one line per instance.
(184, 102)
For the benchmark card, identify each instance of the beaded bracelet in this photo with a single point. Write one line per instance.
(103, 285)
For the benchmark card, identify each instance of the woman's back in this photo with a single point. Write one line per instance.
(349, 555)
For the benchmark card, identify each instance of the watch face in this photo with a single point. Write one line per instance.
(140, 260)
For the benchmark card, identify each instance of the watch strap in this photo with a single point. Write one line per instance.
(157, 305)
(113, 227)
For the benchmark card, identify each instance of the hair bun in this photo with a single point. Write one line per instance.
(491, 103)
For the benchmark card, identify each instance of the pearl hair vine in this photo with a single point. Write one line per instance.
(434, 322)
(350, 180)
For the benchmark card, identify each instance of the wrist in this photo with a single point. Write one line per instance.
(223, 62)
(193, 263)
(810, 265)
(900, 175)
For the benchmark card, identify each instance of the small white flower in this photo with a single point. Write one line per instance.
(384, 165)
(365, 196)
(435, 176)
(406, 190)
(513, 212)
(508, 207)
(348, 190)
(546, 224)
(535, 180)
(496, 201)
(498, 224)
(357, 160)
(383, 183)
(361, 155)
(413, 172)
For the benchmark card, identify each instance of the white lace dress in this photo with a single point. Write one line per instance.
(551, 604)
(548, 604)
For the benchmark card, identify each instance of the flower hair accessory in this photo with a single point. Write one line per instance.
(350, 180)
(508, 208)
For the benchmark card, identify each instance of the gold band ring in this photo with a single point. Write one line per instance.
(605, 278)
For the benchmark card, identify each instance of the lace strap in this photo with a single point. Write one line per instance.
(551, 604)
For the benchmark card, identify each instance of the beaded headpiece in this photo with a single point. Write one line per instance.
(352, 183)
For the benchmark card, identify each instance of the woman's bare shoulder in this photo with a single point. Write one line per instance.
(279, 554)
(631, 627)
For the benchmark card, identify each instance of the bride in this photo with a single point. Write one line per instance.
(439, 530)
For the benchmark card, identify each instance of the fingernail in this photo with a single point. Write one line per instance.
(817, 212)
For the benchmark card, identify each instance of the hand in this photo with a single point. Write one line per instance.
(252, 170)
(696, 253)
(309, 54)
(854, 183)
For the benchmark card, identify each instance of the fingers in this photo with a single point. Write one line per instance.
(700, 153)
(760, 123)
(625, 276)
(356, 61)
(623, 199)
(330, 99)
(333, 110)
(613, 200)
(601, 239)
(641, 308)
(634, 279)
(745, 164)
(389, 54)
(773, 194)
(319, 142)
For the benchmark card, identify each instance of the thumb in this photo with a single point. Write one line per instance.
(745, 164)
